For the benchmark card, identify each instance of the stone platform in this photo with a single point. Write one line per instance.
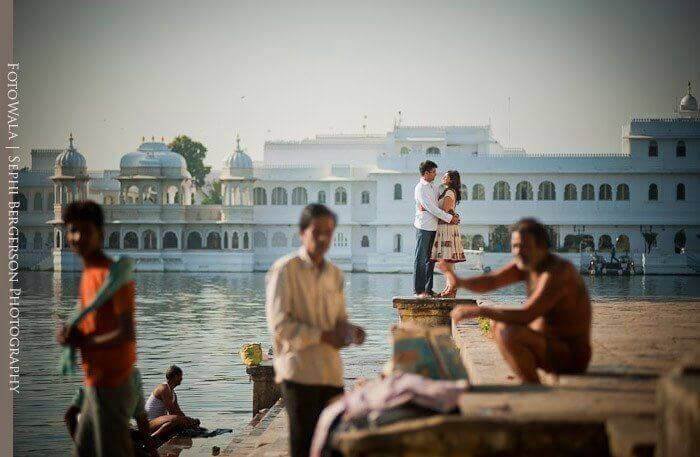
(609, 411)
(428, 312)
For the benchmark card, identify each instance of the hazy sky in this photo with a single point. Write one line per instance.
(575, 71)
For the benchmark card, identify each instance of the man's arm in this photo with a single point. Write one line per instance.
(547, 293)
(507, 275)
(426, 199)
(124, 306)
(168, 399)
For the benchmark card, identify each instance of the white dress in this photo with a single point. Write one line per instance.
(448, 239)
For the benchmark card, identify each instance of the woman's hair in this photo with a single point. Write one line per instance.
(455, 185)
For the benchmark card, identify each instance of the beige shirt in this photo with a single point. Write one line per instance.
(302, 302)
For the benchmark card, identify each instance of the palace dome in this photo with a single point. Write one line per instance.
(688, 103)
(70, 161)
(238, 159)
(154, 159)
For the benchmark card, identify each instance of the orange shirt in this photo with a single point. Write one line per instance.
(112, 366)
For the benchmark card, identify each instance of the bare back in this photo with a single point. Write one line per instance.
(570, 316)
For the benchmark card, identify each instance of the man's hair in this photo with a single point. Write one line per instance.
(173, 371)
(314, 211)
(84, 210)
(427, 166)
(532, 227)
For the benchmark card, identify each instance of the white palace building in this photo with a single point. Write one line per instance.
(644, 200)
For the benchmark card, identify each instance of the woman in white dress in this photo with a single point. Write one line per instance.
(448, 239)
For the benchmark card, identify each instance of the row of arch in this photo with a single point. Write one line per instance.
(300, 196)
(194, 240)
(431, 151)
(654, 148)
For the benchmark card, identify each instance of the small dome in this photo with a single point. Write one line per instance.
(689, 103)
(238, 159)
(71, 158)
(154, 155)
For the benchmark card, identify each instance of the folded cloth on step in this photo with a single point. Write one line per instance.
(390, 392)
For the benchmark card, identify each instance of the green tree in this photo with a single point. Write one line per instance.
(194, 153)
(214, 197)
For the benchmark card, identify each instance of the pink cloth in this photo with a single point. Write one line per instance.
(390, 392)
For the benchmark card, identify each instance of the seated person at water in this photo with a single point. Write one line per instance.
(552, 331)
(164, 414)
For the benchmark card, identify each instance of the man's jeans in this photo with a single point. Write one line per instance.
(423, 267)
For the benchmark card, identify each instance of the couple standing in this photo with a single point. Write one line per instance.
(437, 228)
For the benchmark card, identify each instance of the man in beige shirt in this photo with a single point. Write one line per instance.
(308, 322)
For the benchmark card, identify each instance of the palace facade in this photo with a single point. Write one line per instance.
(644, 199)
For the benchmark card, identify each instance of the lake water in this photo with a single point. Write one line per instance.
(199, 321)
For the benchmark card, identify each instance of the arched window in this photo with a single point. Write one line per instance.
(433, 151)
(523, 191)
(604, 243)
(299, 196)
(234, 240)
(622, 244)
(279, 196)
(194, 240)
(132, 195)
(225, 240)
(169, 240)
(405, 151)
(397, 242)
(340, 240)
(149, 239)
(398, 194)
(38, 202)
(321, 197)
(653, 192)
(246, 241)
(259, 196)
(679, 241)
(501, 191)
(478, 192)
(150, 195)
(570, 192)
(365, 241)
(653, 148)
(570, 243)
(587, 243)
(22, 241)
(587, 192)
(172, 196)
(478, 242)
(214, 240)
(58, 239)
(22, 202)
(364, 197)
(36, 244)
(680, 149)
(279, 240)
(623, 192)
(680, 191)
(113, 241)
(546, 191)
(341, 196)
(605, 192)
(463, 192)
(466, 242)
(131, 240)
(259, 240)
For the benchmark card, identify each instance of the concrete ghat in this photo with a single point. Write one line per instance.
(428, 312)
(600, 413)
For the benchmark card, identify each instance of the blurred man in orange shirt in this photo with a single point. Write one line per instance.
(106, 338)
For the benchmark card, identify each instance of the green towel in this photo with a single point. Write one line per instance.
(120, 273)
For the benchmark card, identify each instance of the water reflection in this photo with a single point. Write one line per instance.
(199, 321)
